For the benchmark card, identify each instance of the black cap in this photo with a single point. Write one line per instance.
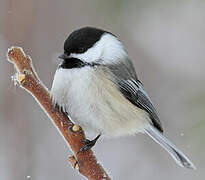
(81, 40)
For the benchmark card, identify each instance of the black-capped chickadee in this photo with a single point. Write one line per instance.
(97, 86)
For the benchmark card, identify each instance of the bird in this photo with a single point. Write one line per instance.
(97, 87)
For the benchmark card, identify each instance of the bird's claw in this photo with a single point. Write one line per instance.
(88, 144)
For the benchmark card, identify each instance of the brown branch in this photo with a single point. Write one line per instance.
(73, 134)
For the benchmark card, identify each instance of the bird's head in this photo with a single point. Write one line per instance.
(92, 45)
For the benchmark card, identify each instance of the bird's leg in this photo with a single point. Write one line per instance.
(88, 144)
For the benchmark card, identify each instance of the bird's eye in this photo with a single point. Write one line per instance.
(81, 49)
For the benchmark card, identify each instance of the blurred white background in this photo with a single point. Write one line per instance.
(165, 40)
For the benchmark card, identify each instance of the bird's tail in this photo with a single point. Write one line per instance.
(176, 154)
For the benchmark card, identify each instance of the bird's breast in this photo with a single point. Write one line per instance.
(92, 99)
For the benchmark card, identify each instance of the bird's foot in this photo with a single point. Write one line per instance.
(88, 144)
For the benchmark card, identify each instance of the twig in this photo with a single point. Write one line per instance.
(72, 133)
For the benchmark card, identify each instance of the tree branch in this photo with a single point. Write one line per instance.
(73, 134)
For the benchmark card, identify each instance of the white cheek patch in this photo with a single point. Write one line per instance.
(107, 50)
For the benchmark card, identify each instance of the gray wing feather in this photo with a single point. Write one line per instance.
(126, 79)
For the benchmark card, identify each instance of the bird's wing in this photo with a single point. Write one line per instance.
(132, 89)
(135, 93)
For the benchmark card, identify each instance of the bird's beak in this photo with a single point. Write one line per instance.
(63, 56)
